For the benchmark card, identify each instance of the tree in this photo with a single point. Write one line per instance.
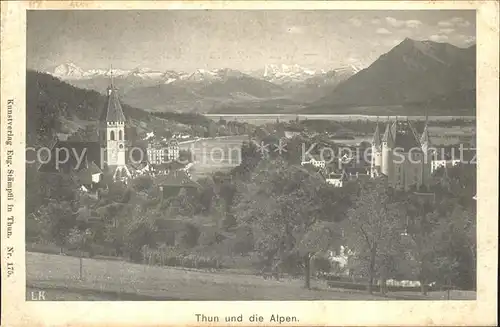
(285, 207)
(142, 183)
(375, 227)
(81, 239)
(421, 239)
(320, 237)
(250, 158)
(422, 245)
(456, 259)
(56, 221)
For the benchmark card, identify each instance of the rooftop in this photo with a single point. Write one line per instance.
(112, 111)
(177, 178)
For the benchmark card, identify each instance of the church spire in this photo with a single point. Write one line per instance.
(113, 111)
(111, 76)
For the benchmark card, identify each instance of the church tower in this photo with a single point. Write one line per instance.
(387, 146)
(376, 159)
(112, 134)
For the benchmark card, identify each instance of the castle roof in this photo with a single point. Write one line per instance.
(405, 137)
(389, 133)
(425, 139)
(376, 137)
(112, 111)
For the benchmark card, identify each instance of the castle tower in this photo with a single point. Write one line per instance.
(387, 145)
(112, 134)
(376, 159)
(424, 139)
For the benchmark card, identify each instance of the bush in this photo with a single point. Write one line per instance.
(321, 264)
(142, 183)
(172, 257)
(188, 237)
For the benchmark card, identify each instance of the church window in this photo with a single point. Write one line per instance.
(120, 135)
(112, 136)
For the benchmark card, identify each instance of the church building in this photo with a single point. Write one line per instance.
(401, 156)
(112, 136)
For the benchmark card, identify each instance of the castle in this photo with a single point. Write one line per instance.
(401, 156)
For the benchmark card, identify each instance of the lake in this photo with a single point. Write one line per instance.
(214, 154)
(260, 119)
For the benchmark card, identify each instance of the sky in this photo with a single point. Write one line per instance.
(186, 40)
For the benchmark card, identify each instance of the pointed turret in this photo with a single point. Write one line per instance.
(424, 139)
(376, 142)
(388, 137)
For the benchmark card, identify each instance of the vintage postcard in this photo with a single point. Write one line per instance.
(249, 163)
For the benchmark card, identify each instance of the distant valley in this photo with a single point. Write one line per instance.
(414, 78)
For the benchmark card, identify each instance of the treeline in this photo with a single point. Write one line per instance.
(357, 126)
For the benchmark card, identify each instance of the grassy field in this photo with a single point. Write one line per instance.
(58, 276)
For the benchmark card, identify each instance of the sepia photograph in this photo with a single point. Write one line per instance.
(237, 155)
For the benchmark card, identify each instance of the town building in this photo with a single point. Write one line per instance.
(155, 153)
(172, 182)
(173, 151)
(165, 152)
(315, 163)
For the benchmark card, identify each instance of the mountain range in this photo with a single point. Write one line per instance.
(414, 76)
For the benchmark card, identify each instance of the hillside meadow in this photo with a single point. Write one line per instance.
(58, 276)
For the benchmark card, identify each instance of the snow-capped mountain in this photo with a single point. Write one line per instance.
(204, 89)
(285, 74)
(70, 71)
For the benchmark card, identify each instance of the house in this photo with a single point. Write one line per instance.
(315, 163)
(144, 168)
(452, 156)
(337, 179)
(171, 183)
(357, 172)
